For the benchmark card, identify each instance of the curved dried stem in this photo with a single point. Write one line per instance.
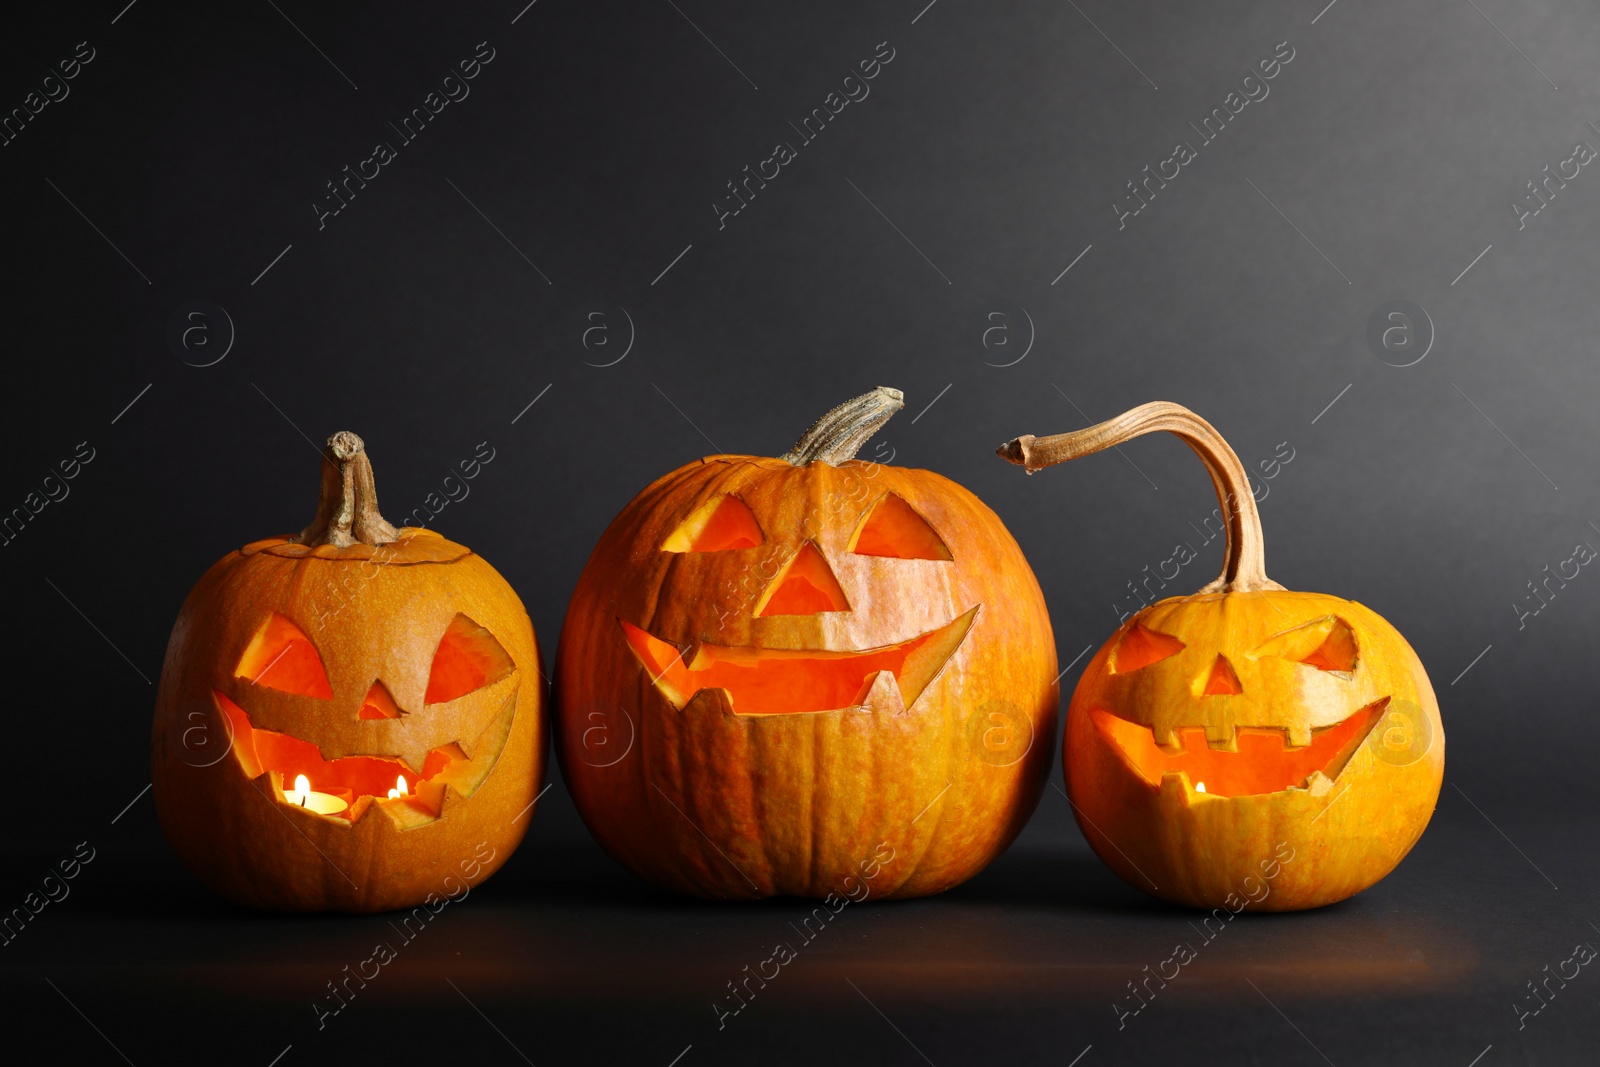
(838, 435)
(1244, 563)
(347, 510)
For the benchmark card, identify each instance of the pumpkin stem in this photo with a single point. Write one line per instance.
(1244, 563)
(347, 512)
(838, 435)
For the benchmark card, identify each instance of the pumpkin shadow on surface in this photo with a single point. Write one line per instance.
(580, 873)
(574, 872)
(1057, 879)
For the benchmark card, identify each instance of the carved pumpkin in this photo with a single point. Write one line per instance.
(1216, 734)
(771, 668)
(351, 718)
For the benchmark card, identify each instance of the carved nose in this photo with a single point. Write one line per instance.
(1222, 681)
(805, 586)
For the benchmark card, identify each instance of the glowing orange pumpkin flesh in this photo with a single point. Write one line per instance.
(805, 586)
(353, 779)
(1262, 764)
(893, 528)
(722, 524)
(281, 657)
(467, 659)
(764, 681)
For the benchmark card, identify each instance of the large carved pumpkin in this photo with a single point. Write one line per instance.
(349, 719)
(1247, 746)
(772, 669)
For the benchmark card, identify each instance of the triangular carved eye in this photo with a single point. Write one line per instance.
(893, 528)
(1328, 644)
(280, 656)
(719, 524)
(1140, 647)
(468, 658)
(1221, 681)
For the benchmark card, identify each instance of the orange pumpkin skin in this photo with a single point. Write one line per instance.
(1344, 831)
(1247, 747)
(795, 785)
(372, 614)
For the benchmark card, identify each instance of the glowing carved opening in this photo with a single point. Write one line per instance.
(1140, 648)
(1222, 681)
(468, 658)
(804, 586)
(281, 657)
(761, 681)
(893, 528)
(719, 524)
(1262, 764)
(362, 780)
(1328, 644)
(379, 704)
(1337, 653)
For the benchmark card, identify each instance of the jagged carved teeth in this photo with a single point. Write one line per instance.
(773, 681)
(367, 781)
(1239, 760)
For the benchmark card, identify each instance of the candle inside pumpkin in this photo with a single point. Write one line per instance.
(303, 796)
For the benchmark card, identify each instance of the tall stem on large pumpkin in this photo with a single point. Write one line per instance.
(839, 435)
(1244, 562)
(347, 511)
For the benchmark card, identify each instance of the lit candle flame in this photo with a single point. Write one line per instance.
(399, 789)
(303, 796)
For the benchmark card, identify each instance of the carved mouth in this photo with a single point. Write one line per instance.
(770, 681)
(363, 782)
(1254, 760)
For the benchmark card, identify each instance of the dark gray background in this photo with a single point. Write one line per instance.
(1381, 167)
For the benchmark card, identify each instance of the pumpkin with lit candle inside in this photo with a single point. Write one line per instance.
(345, 714)
(1216, 734)
(771, 668)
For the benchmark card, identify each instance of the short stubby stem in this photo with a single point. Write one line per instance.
(347, 510)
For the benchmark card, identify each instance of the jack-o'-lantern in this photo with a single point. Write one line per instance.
(1247, 746)
(350, 719)
(774, 673)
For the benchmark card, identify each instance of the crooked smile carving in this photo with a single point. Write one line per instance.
(769, 681)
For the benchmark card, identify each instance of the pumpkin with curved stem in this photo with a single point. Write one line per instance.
(1218, 734)
(772, 668)
(350, 719)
